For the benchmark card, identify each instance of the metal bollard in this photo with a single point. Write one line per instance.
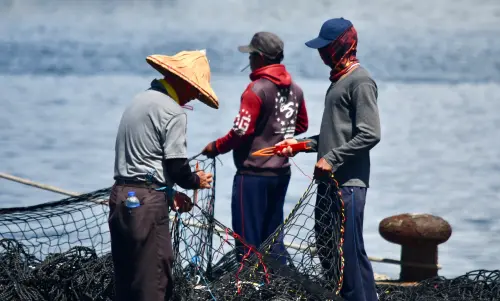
(419, 236)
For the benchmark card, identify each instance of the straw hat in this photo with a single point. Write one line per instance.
(192, 67)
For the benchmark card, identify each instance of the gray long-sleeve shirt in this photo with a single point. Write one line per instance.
(350, 127)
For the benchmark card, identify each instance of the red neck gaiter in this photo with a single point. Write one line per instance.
(340, 55)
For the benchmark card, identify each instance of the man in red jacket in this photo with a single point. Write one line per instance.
(272, 109)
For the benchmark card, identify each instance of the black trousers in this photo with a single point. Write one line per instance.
(141, 245)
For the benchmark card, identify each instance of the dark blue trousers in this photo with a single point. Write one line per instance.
(257, 210)
(359, 282)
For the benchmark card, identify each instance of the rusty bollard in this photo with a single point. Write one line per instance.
(419, 236)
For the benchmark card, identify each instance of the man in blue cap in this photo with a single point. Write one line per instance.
(350, 128)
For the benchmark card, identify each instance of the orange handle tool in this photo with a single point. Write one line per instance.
(270, 151)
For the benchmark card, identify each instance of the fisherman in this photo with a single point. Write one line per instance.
(151, 154)
(350, 128)
(272, 108)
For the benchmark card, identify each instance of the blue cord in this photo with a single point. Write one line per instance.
(206, 283)
(168, 190)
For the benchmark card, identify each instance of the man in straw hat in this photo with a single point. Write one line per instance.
(272, 108)
(350, 128)
(151, 154)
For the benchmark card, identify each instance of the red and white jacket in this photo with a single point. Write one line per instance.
(272, 109)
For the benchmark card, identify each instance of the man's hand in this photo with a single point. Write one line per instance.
(287, 151)
(205, 179)
(182, 203)
(322, 169)
(210, 150)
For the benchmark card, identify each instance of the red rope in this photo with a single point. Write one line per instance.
(259, 256)
(300, 169)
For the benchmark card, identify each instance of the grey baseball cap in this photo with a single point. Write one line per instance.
(266, 43)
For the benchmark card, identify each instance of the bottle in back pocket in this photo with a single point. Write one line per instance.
(132, 201)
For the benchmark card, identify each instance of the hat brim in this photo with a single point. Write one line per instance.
(207, 95)
(317, 43)
(246, 49)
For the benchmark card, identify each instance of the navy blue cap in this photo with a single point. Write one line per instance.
(329, 32)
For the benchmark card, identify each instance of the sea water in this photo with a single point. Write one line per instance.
(68, 69)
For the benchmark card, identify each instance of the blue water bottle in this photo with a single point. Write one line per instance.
(132, 201)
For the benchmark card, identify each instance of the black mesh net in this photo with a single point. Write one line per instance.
(479, 285)
(61, 251)
(193, 237)
(192, 232)
(299, 261)
(53, 240)
(56, 227)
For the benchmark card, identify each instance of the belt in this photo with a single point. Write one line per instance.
(147, 185)
(138, 184)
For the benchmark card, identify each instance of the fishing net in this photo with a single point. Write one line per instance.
(193, 236)
(61, 251)
(57, 226)
(82, 221)
(80, 274)
(479, 285)
(308, 266)
(59, 237)
(76, 274)
(192, 232)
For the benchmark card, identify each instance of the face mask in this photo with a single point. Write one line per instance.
(326, 56)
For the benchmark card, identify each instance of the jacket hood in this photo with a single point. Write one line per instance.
(275, 73)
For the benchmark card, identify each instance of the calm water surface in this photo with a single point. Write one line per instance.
(68, 70)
